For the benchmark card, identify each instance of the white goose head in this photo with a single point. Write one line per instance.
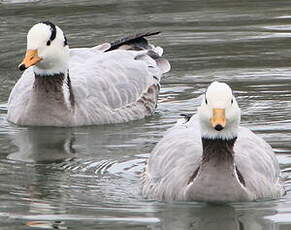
(219, 114)
(47, 50)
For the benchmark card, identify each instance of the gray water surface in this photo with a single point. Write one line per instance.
(88, 178)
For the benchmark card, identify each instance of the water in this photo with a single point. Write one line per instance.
(85, 178)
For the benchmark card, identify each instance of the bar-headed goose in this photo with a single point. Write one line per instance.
(209, 157)
(110, 83)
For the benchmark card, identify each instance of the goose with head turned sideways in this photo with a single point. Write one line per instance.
(110, 83)
(210, 157)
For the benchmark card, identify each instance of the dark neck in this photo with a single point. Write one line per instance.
(49, 83)
(218, 150)
(53, 86)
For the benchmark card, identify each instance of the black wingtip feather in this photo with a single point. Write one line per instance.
(187, 116)
(138, 41)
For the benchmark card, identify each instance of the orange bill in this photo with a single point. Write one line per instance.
(31, 58)
(218, 117)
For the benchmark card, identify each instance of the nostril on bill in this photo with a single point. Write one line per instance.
(218, 127)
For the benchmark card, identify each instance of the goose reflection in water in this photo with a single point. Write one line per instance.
(43, 145)
(46, 196)
(203, 216)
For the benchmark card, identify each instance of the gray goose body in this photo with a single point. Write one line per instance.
(186, 165)
(99, 85)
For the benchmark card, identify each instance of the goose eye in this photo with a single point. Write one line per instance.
(48, 43)
(206, 101)
(231, 101)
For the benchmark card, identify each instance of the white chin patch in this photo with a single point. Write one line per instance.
(226, 133)
(50, 71)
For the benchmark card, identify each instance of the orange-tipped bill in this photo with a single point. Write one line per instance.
(218, 120)
(31, 58)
